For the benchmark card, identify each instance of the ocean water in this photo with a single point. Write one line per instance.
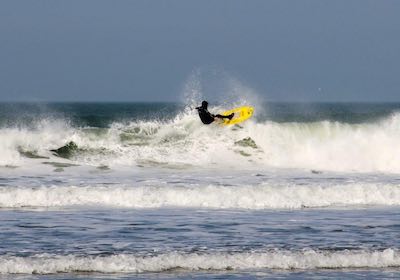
(146, 191)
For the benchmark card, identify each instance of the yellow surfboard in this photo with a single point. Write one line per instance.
(241, 114)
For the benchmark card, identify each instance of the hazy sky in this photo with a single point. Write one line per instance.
(147, 50)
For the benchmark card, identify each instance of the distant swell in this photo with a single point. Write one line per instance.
(125, 263)
(220, 197)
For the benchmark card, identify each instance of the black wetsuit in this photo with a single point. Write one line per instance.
(207, 118)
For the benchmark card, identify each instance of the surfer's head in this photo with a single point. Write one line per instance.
(204, 104)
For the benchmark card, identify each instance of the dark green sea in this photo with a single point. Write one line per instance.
(104, 114)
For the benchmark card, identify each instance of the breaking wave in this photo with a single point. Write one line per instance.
(184, 141)
(126, 263)
(218, 197)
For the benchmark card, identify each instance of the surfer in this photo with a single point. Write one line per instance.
(206, 117)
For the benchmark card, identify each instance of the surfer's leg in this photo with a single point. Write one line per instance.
(225, 117)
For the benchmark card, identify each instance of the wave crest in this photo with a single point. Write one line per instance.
(326, 145)
(125, 263)
(219, 197)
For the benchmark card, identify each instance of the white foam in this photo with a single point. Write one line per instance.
(124, 263)
(330, 145)
(185, 141)
(220, 197)
(44, 136)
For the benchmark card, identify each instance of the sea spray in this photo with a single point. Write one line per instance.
(184, 141)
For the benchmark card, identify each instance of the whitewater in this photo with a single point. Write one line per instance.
(145, 190)
(184, 141)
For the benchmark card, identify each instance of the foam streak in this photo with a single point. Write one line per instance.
(224, 197)
(124, 263)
